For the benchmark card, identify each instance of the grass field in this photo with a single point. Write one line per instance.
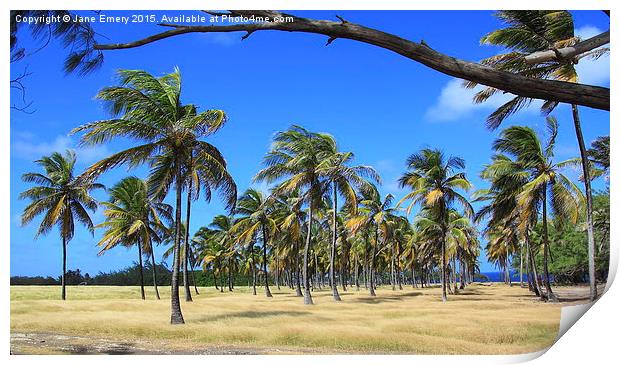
(493, 319)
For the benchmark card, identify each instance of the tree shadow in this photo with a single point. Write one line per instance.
(250, 314)
(387, 298)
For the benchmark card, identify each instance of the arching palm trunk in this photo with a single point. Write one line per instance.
(188, 293)
(141, 271)
(332, 256)
(63, 283)
(307, 295)
(176, 317)
(586, 180)
(265, 239)
(154, 272)
(550, 296)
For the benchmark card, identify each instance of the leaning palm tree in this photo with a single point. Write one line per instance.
(296, 155)
(531, 31)
(522, 157)
(133, 219)
(435, 184)
(62, 198)
(256, 219)
(345, 180)
(149, 111)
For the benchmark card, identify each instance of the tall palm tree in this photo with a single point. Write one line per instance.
(531, 31)
(524, 158)
(374, 215)
(148, 110)
(296, 155)
(345, 180)
(132, 218)
(435, 185)
(62, 198)
(256, 219)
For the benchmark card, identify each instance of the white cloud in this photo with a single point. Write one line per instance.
(592, 72)
(456, 101)
(27, 148)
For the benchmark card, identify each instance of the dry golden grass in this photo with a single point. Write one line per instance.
(481, 320)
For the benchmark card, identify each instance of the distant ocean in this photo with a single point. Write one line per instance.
(498, 276)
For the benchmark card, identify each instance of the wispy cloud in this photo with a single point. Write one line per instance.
(26, 147)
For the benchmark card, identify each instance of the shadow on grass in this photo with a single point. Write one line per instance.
(387, 298)
(251, 314)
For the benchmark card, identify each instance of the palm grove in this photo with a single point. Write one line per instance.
(323, 221)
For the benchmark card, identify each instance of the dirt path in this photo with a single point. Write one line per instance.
(50, 343)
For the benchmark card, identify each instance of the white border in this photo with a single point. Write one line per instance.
(591, 339)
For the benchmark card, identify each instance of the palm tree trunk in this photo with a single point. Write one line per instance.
(176, 317)
(63, 283)
(188, 292)
(521, 265)
(532, 259)
(550, 296)
(297, 272)
(307, 295)
(392, 270)
(357, 281)
(141, 271)
(456, 289)
(371, 263)
(192, 263)
(444, 294)
(253, 267)
(586, 181)
(214, 277)
(265, 239)
(332, 256)
(230, 288)
(413, 283)
(154, 272)
(277, 267)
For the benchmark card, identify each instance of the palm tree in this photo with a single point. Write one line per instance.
(62, 198)
(296, 154)
(257, 219)
(528, 32)
(526, 162)
(434, 185)
(291, 218)
(345, 180)
(374, 215)
(132, 218)
(149, 111)
(222, 227)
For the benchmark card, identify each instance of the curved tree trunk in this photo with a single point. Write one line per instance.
(154, 272)
(141, 271)
(549, 293)
(586, 181)
(63, 283)
(265, 239)
(176, 317)
(307, 295)
(332, 256)
(192, 264)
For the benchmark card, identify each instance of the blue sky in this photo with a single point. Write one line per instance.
(377, 104)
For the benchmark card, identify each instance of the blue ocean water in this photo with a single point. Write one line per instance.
(498, 276)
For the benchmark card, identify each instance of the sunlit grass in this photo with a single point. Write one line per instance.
(482, 320)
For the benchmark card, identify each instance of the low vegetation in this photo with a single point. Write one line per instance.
(495, 319)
